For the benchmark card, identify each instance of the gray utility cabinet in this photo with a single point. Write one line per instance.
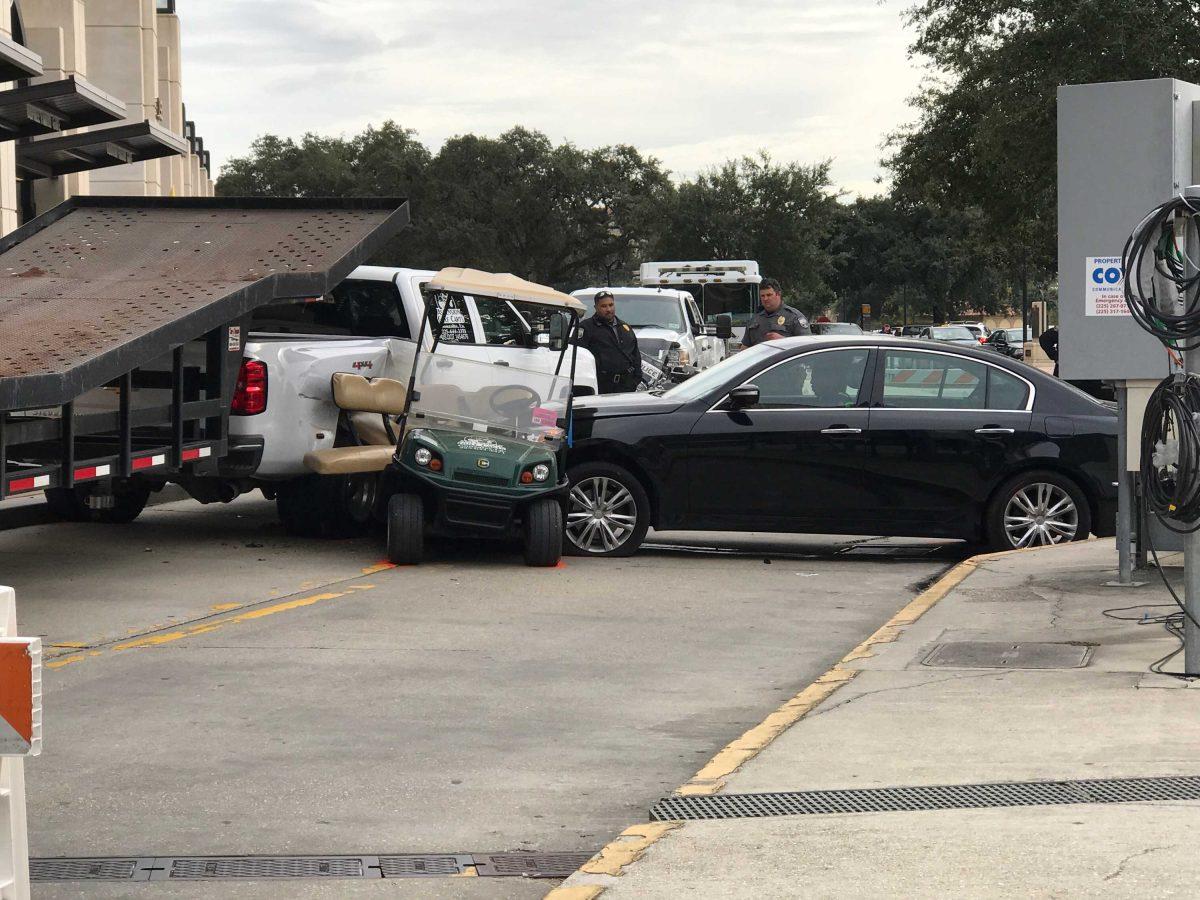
(1123, 148)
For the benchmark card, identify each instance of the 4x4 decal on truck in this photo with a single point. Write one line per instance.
(362, 364)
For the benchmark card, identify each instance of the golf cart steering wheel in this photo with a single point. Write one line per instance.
(520, 399)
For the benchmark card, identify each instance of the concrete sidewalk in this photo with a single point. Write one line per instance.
(882, 718)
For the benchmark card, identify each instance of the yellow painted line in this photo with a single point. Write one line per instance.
(633, 842)
(225, 607)
(63, 661)
(71, 645)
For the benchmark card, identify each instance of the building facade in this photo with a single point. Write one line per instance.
(93, 104)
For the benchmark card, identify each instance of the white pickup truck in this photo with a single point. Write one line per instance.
(668, 323)
(283, 405)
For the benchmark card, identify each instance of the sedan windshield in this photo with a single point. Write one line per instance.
(651, 312)
(699, 385)
(952, 333)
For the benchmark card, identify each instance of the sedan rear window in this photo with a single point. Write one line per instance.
(941, 381)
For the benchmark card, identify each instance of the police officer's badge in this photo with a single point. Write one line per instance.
(625, 326)
(781, 320)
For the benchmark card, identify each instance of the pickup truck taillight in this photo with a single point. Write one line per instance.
(250, 394)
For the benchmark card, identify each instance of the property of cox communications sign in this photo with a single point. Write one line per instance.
(1105, 287)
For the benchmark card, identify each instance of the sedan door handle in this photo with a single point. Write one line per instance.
(991, 429)
(841, 429)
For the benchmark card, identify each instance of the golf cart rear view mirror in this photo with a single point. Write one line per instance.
(724, 326)
(559, 331)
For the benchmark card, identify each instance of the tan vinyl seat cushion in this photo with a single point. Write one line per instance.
(369, 428)
(349, 460)
(376, 395)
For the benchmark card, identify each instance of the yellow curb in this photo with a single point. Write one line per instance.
(627, 848)
(576, 892)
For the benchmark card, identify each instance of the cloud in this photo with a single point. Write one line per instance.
(691, 82)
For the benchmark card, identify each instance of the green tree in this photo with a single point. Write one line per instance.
(985, 130)
(754, 208)
(914, 260)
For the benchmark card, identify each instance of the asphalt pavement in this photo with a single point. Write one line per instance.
(214, 686)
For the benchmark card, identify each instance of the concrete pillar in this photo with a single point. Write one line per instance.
(9, 194)
(57, 30)
(122, 53)
(170, 91)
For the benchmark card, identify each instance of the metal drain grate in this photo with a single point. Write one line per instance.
(82, 869)
(912, 799)
(531, 865)
(412, 866)
(267, 867)
(398, 865)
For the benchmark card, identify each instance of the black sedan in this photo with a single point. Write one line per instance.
(847, 435)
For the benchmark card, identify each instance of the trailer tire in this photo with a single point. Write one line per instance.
(128, 505)
(543, 532)
(405, 529)
(66, 504)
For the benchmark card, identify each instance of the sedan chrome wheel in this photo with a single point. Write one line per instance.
(602, 515)
(1040, 514)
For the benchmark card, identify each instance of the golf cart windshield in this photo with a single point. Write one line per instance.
(485, 398)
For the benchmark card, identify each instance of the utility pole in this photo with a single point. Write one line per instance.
(1191, 542)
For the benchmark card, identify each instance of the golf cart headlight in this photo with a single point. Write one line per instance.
(541, 472)
(423, 456)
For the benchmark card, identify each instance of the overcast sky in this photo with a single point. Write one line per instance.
(692, 83)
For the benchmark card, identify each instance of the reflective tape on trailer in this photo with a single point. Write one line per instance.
(17, 485)
(196, 453)
(149, 462)
(89, 472)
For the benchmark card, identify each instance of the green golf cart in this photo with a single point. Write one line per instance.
(481, 445)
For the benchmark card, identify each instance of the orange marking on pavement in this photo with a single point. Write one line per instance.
(381, 566)
(562, 564)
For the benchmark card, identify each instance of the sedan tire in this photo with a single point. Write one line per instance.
(1037, 509)
(608, 512)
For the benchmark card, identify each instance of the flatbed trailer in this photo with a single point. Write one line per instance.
(122, 324)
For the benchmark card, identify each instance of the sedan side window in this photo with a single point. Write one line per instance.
(1006, 391)
(816, 380)
(932, 381)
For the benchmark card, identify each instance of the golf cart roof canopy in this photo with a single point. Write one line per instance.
(506, 287)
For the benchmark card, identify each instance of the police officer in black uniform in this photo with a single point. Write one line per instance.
(615, 346)
(773, 320)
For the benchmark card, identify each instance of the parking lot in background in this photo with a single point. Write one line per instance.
(214, 686)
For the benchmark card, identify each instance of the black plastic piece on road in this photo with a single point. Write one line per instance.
(922, 798)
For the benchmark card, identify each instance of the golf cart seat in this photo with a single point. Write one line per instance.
(366, 404)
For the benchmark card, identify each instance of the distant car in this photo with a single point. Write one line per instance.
(824, 328)
(960, 335)
(1008, 341)
(912, 330)
(847, 435)
(978, 329)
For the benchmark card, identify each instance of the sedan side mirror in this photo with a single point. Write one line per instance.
(724, 326)
(743, 397)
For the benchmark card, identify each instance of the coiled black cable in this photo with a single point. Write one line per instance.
(1154, 240)
(1170, 474)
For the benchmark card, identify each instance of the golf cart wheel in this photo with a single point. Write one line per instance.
(1037, 509)
(405, 529)
(543, 528)
(608, 512)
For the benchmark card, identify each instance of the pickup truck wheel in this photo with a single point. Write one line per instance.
(326, 506)
(543, 531)
(405, 529)
(608, 512)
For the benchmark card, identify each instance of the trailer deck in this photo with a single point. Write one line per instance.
(121, 323)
